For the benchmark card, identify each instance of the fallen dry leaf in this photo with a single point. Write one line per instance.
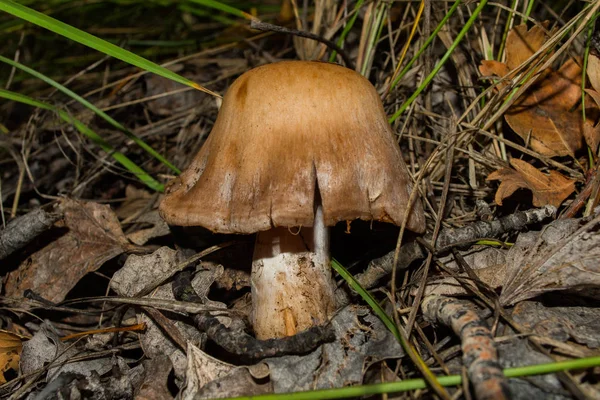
(492, 67)
(563, 256)
(94, 237)
(136, 202)
(201, 370)
(560, 322)
(156, 377)
(545, 116)
(522, 43)
(157, 227)
(10, 353)
(551, 189)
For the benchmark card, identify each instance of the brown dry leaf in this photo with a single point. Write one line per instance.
(522, 43)
(10, 353)
(94, 237)
(545, 116)
(550, 189)
(156, 376)
(491, 68)
(201, 370)
(136, 202)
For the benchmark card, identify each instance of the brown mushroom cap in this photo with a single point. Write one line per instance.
(284, 131)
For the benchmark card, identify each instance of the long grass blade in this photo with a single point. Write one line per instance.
(118, 156)
(94, 42)
(408, 348)
(441, 62)
(414, 384)
(93, 108)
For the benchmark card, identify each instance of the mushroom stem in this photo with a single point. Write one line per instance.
(292, 288)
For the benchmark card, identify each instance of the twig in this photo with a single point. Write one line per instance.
(479, 350)
(239, 343)
(264, 26)
(489, 229)
(22, 230)
(160, 304)
(449, 238)
(380, 267)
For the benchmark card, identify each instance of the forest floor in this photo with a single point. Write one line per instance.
(486, 259)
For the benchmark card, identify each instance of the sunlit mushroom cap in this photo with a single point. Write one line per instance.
(285, 131)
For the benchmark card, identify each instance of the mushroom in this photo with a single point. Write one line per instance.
(297, 147)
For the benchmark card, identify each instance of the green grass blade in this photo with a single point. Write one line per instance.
(366, 296)
(223, 7)
(205, 13)
(389, 323)
(95, 109)
(507, 27)
(347, 29)
(414, 384)
(94, 42)
(429, 40)
(118, 156)
(441, 62)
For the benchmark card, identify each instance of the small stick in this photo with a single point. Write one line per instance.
(22, 230)
(489, 229)
(480, 356)
(239, 343)
(264, 26)
(449, 238)
(130, 328)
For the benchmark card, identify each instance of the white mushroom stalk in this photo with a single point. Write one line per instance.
(292, 287)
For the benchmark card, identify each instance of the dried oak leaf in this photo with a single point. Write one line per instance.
(94, 237)
(546, 117)
(551, 189)
(522, 43)
(497, 68)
